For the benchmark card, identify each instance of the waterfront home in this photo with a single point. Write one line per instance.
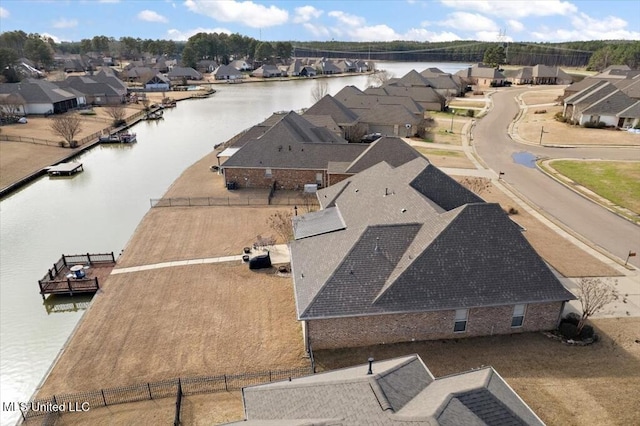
(95, 92)
(188, 73)
(410, 254)
(227, 72)
(396, 391)
(267, 71)
(482, 75)
(43, 97)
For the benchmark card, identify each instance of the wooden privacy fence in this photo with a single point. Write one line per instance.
(84, 401)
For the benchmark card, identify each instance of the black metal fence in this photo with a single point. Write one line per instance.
(209, 201)
(158, 390)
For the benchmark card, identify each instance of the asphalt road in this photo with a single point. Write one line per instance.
(602, 228)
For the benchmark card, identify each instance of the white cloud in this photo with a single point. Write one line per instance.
(374, 33)
(178, 35)
(588, 28)
(421, 34)
(469, 22)
(52, 37)
(347, 19)
(4, 13)
(515, 26)
(65, 23)
(306, 13)
(151, 16)
(514, 9)
(318, 31)
(245, 12)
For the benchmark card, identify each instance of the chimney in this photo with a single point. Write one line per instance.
(370, 366)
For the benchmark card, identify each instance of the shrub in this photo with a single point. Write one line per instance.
(586, 332)
(540, 111)
(568, 330)
(512, 211)
(471, 113)
(594, 125)
(560, 117)
(572, 318)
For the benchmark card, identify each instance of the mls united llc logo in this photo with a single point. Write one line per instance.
(47, 407)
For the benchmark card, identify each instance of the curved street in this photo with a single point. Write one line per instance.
(593, 222)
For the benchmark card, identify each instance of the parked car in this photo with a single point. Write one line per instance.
(371, 137)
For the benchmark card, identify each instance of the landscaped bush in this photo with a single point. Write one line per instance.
(540, 111)
(471, 113)
(587, 332)
(572, 318)
(559, 116)
(595, 125)
(568, 330)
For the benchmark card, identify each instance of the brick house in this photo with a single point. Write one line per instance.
(397, 391)
(293, 152)
(408, 254)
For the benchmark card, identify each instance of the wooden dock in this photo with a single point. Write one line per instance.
(77, 274)
(64, 169)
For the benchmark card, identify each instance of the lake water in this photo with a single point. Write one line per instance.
(99, 209)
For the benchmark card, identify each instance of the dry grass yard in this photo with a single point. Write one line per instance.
(183, 321)
(445, 158)
(564, 385)
(20, 159)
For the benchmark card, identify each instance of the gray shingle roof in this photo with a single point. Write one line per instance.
(390, 149)
(405, 252)
(328, 105)
(317, 223)
(611, 104)
(400, 391)
(38, 91)
(294, 143)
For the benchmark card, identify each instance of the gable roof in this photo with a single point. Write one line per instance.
(612, 104)
(410, 253)
(394, 151)
(223, 70)
(38, 91)
(329, 105)
(294, 143)
(370, 101)
(399, 391)
(387, 114)
(88, 86)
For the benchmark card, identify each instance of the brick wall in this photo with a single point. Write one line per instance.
(381, 329)
(285, 178)
(337, 177)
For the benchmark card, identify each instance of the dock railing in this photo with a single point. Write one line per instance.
(161, 389)
(53, 283)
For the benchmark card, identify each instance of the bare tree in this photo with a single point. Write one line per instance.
(320, 90)
(379, 78)
(355, 133)
(594, 294)
(67, 126)
(425, 127)
(477, 185)
(11, 106)
(117, 112)
(281, 224)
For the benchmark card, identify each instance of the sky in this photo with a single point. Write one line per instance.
(349, 20)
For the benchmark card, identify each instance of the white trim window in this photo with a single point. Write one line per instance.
(268, 173)
(460, 323)
(518, 316)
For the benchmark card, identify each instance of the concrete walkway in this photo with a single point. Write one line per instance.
(279, 254)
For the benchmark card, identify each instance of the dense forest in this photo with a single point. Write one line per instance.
(596, 55)
(222, 47)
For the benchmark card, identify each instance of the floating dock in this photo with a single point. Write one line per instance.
(64, 169)
(77, 274)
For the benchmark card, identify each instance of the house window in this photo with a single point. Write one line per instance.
(319, 179)
(518, 316)
(267, 173)
(460, 323)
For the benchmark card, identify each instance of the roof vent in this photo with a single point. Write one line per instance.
(403, 210)
(357, 190)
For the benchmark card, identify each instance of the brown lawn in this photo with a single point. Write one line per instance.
(20, 159)
(206, 319)
(564, 385)
(444, 158)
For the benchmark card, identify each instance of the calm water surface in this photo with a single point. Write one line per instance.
(99, 209)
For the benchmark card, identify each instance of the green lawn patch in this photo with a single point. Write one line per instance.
(439, 152)
(617, 181)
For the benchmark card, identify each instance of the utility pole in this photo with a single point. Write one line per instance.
(542, 132)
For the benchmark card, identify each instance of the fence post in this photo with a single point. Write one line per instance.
(149, 388)
(225, 383)
(97, 284)
(89, 258)
(104, 400)
(64, 260)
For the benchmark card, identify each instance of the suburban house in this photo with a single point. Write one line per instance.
(157, 83)
(206, 65)
(444, 84)
(343, 116)
(409, 254)
(267, 71)
(482, 75)
(137, 74)
(288, 152)
(326, 66)
(188, 73)
(294, 68)
(43, 97)
(602, 102)
(291, 153)
(108, 76)
(227, 72)
(542, 74)
(397, 391)
(95, 92)
(241, 65)
(427, 97)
